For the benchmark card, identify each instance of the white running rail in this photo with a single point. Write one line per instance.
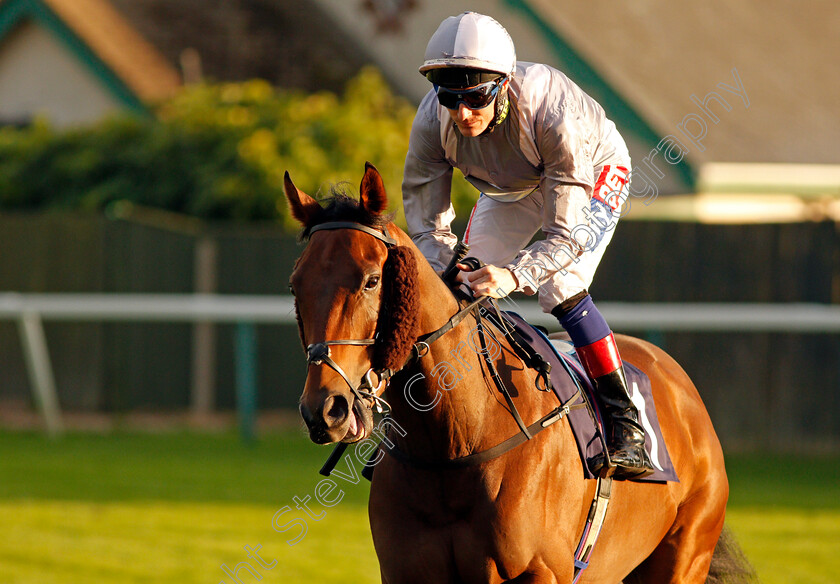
(30, 310)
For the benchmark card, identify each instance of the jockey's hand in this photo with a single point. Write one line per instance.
(488, 280)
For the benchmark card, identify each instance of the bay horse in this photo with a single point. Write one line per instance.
(364, 296)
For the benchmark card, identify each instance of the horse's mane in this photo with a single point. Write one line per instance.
(341, 206)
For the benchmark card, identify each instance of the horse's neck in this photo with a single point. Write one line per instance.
(449, 406)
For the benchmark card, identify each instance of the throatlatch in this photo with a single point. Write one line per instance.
(319, 353)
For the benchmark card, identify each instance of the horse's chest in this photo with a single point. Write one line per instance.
(473, 526)
(487, 526)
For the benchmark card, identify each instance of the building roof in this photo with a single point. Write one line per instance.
(289, 44)
(102, 38)
(658, 54)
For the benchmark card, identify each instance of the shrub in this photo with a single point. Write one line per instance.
(215, 151)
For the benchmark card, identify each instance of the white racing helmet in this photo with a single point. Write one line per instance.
(473, 41)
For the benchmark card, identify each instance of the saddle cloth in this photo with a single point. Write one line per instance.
(583, 427)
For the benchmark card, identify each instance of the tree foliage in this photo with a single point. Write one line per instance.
(215, 151)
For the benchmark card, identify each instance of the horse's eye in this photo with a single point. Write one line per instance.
(372, 283)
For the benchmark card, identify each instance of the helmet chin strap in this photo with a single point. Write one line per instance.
(501, 107)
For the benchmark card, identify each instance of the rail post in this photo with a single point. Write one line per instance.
(39, 368)
(246, 379)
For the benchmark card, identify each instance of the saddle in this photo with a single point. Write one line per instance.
(559, 370)
(567, 377)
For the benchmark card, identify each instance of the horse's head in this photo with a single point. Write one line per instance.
(357, 302)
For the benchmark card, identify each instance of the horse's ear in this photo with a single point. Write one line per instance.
(304, 207)
(372, 191)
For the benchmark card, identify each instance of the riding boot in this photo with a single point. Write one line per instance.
(625, 436)
(595, 345)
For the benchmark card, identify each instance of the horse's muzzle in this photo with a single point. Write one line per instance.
(338, 418)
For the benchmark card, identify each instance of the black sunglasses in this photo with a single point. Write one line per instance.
(478, 97)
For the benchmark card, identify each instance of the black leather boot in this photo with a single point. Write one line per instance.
(625, 435)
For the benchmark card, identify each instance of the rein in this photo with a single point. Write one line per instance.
(496, 451)
(366, 392)
(319, 353)
(526, 432)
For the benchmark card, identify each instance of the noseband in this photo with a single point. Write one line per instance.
(365, 391)
(319, 353)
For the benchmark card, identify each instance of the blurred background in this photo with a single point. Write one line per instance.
(142, 150)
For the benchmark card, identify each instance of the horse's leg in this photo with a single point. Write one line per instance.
(684, 554)
(539, 575)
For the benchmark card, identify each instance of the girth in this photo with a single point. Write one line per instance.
(496, 451)
(318, 353)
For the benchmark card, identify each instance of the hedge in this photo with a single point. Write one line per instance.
(216, 151)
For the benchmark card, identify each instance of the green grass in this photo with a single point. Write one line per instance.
(174, 507)
(785, 511)
(171, 507)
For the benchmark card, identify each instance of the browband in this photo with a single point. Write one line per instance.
(358, 227)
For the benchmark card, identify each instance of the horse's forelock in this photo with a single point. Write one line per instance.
(340, 206)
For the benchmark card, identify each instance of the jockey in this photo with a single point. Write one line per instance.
(544, 156)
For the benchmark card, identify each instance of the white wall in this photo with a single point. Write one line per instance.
(399, 55)
(39, 76)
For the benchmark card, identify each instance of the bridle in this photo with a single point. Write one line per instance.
(319, 353)
(366, 391)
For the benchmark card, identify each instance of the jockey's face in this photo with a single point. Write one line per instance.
(472, 122)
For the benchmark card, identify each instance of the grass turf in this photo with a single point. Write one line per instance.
(175, 507)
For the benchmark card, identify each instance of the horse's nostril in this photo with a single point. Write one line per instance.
(336, 409)
(306, 415)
